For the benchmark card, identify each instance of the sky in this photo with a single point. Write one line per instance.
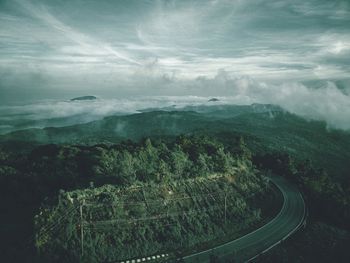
(294, 53)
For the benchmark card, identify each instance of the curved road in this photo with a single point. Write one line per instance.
(248, 247)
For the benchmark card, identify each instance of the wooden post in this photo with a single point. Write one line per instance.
(81, 229)
(225, 206)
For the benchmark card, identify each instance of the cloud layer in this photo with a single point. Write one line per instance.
(326, 103)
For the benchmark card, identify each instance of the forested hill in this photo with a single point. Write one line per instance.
(156, 196)
(188, 166)
(268, 128)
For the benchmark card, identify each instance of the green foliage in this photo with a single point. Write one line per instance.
(164, 196)
(123, 223)
(268, 128)
(31, 178)
(28, 178)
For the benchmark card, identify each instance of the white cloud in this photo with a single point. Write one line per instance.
(87, 44)
(326, 103)
(193, 38)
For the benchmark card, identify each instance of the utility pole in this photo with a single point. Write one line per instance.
(81, 228)
(225, 206)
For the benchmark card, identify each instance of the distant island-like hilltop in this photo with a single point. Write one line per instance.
(84, 98)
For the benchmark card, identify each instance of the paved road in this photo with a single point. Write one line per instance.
(251, 245)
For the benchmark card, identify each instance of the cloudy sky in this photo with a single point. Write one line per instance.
(295, 53)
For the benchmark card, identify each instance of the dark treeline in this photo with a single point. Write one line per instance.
(46, 169)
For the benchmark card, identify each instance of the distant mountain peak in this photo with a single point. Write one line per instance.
(84, 98)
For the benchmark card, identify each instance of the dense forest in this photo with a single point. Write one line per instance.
(173, 194)
(265, 127)
(101, 160)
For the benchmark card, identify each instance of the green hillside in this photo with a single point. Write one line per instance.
(154, 195)
(95, 161)
(268, 128)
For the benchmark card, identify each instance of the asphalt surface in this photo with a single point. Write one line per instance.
(248, 247)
